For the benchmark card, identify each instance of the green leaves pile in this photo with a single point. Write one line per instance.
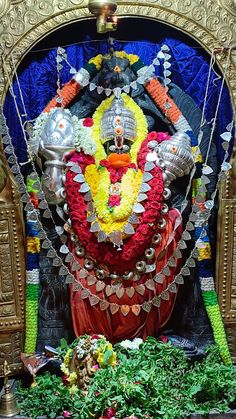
(155, 381)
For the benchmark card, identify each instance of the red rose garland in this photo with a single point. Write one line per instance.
(133, 246)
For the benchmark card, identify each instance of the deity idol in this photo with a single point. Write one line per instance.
(112, 169)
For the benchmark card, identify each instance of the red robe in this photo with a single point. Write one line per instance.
(116, 327)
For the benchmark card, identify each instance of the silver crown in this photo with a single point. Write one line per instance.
(118, 121)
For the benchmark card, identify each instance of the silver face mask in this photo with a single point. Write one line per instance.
(118, 123)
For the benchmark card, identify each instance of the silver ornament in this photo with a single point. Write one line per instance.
(88, 264)
(150, 253)
(149, 166)
(84, 188)
(79, 251)
(156, 239)
(133, 219)
(100, 273)
(166, 194)
(161, 224)
(141, 197)
(165, 209)
(128, 275)
(138, 208)
(147, 176)
(141, 266)
(128, 229)
(95, 227)
(101, 237)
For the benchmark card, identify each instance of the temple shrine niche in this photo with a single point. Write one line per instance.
(117, 196)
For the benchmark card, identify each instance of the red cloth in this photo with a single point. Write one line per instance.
(91, 320)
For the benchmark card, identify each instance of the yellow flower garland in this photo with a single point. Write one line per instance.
(92, 177)
(100, 200)
(130, 185)
(100, 183)
(142, 127)
(131, 57)
(97, 61)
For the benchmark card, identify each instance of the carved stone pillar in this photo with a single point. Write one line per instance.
(12, 270)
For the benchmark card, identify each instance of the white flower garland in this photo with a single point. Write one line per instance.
(83, 138)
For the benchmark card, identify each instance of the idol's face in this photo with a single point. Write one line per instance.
(119, 145)
(116, 72)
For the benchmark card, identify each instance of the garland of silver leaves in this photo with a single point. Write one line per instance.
(147, 72)
(159, 277)
(58, 261)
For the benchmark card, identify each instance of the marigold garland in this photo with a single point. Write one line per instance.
(92, 177)
(67, 93)
(159, 94)
(132, 58)
(130, 184)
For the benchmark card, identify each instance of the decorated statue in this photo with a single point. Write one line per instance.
(113, 157)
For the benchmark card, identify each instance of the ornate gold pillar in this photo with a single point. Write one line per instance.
(12, 270)
(226, 255)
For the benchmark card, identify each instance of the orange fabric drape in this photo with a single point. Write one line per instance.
(116, 327)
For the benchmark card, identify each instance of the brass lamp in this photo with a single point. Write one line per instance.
(104, 11)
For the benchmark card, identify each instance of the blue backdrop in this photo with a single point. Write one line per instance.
(190, 68)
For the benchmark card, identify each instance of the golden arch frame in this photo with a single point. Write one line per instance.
(211, 23)
(24, 22)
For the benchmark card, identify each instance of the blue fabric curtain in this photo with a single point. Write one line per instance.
(190, 69)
